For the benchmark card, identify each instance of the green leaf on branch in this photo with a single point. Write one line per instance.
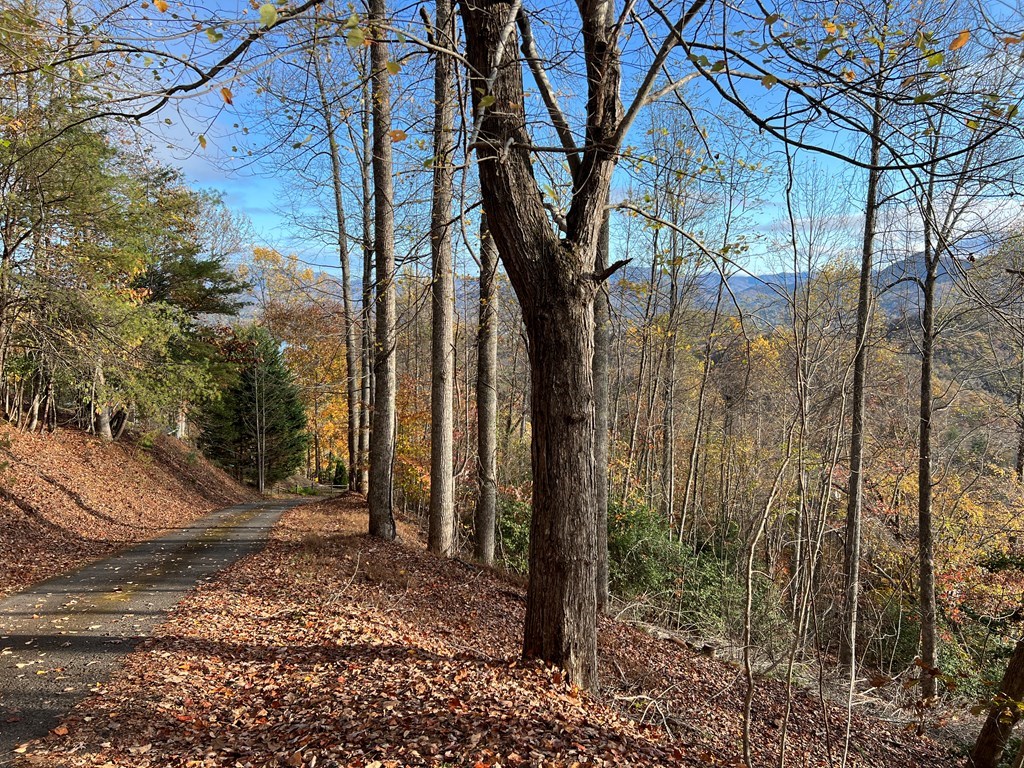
(268, 15)
(356, 37)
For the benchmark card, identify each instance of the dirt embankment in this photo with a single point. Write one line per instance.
(67, 498)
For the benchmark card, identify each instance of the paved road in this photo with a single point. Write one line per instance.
(60, 638)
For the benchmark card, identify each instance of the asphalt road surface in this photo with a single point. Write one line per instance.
(62, 637)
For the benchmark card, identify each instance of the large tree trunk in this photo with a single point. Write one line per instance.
(441, 529)
(1002, 716)
(555, 283)
(561, 610)
(487, 400)
(382, 434)
(848, 639)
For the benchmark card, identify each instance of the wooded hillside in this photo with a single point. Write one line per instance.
(709, 315)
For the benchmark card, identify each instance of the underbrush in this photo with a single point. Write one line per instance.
(659, 580)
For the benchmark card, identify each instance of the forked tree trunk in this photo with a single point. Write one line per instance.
(382, 433)
(441, 528)
(487, 400)
(556, 284)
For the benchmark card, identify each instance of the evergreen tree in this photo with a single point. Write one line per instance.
(257, 428)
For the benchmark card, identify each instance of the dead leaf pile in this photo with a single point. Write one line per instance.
(333, 649)
(67, 498)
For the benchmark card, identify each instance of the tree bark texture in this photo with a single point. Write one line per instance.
(366, 383)
(382, 433)
(441, 528)
(101, 407)
(556, 286)
(925, 538)
(351, 364)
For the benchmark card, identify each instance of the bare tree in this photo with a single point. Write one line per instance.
(383, 425)
(441, 533)
(487, 399)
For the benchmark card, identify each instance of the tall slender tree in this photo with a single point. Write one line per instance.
(487, 400)
(383, 425)
(441, 529)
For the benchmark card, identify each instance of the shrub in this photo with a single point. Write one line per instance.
(514, 534)
(340, 475)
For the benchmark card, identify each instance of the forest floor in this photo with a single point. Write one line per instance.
(67, 499)
(329, 648)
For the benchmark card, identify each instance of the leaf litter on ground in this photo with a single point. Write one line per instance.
(331, 649)
(67, 499)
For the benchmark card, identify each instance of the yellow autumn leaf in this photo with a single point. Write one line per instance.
(830, 27)
(225, 93)
(398, 135)
(394, 67)
(202, 141)
(161, 5)
(960, 40)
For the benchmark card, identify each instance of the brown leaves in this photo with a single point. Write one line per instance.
(69, 499)
(313, 654)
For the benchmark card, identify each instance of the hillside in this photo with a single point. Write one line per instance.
(330, 648)
(67, 498)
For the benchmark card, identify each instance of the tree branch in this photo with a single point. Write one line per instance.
(547, 92)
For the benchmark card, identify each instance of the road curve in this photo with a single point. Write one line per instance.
(63, 636)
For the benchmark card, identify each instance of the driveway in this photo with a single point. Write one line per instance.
(61, 638)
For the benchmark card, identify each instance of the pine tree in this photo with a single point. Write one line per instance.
(257, 429)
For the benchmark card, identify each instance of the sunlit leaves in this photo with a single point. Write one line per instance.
(487, 101)
(160, 5)
(202, 141)
(225, 93)
(268, 15)
(398, 134)
(394, 67)
(960, 40)
(356, 37)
